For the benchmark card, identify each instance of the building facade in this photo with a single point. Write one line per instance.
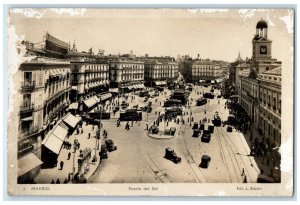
(89, 78)
(260, 91)
(126, 74)
(158, 72)
(43, 97)
(270, 105)
(206, 70)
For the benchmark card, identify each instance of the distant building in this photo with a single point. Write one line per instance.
(158, 71)
(90, 78)
(195, 70)
(206, 70)
(126, 74)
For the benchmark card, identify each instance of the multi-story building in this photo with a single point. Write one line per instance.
(43, 96)
(270, 105)
(159, 71)
(260, 91)
(206, 70)
(126, 74)
(90, 79)
(195, 70)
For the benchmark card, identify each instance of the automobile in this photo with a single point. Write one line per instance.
(110, 145)
(196, 133)
(211, 128)
(201, 101)
(154, 129)
(171, 155)
(172, 130)
(206, 136)
(229, 129)
(208, 95)
(205, 160)
(195, 126)
(103, 153)
(202, 126)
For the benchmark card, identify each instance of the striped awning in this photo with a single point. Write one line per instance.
(28, 163)
(90, 102)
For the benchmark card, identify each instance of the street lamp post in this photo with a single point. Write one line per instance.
(75, 146)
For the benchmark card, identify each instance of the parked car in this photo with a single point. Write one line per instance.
(209, 95)
(110, 145)
(172, 130)
(201, 101)
(211, 128)
(206, 136)
(229, 129)
(103, 153)
(202, 126)
(205, 160)
(196, 133)
(195, 126)
(171, 155)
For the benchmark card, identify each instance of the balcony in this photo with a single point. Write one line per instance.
(25, 148)
(28, 85)
(27, 108)
(30, 131)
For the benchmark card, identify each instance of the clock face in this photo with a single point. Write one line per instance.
(263, 50)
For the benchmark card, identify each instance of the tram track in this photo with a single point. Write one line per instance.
(190, 159)
(232, 146)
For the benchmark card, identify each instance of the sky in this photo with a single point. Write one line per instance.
(214, 34)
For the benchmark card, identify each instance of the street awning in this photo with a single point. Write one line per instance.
(143, 86)
(97, 99)
(27, 119)
(73, 106)
(74, 87)
(163, 83)
(28, 163)
(114, 90)
(53, 143)
(86, 87)
(71, 120)
(60, 133)
(105, 96)
(157, 83)
(90, 102)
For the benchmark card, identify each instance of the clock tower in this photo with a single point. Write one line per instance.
(261, 44)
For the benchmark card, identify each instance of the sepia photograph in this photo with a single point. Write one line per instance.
(158, 102)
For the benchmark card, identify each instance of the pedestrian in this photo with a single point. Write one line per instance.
(243, 172)
(61, 165)
(146, 126)
(69, 176)
(52, 182)
(69, 155)
(93, 127)
(89, 136)
(245, 179)
(66, 181)
(57, 181)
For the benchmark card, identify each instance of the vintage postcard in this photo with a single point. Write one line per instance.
(155, 102)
